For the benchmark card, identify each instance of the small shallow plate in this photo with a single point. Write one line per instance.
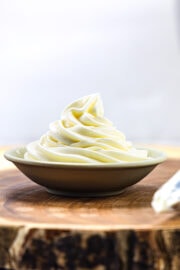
(84, 179)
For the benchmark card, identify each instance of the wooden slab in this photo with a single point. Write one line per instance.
(25, 203)
(42, 231)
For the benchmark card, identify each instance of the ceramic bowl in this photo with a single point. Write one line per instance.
(84, 180)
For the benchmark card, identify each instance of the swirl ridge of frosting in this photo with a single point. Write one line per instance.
(84, 135)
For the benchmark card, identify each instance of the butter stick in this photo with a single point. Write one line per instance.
(168, 195)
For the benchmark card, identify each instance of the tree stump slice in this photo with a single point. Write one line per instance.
(39, 230)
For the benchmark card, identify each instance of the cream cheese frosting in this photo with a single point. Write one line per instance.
(84, 135)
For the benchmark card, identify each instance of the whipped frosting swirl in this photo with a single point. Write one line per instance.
(84, 135)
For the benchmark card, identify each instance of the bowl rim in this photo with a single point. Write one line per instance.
(160, 157)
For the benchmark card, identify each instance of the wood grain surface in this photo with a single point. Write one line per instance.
(42, 231)
(23, 202)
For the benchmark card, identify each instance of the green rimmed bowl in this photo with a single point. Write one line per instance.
(85, 180)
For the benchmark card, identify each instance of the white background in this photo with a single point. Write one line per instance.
(52, 52)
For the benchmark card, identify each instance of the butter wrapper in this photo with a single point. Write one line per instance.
(168, 195)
